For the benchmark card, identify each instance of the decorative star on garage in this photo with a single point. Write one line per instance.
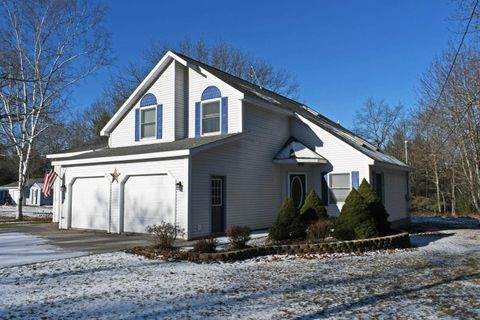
(115, 175)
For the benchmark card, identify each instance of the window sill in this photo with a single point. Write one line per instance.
(216, 133)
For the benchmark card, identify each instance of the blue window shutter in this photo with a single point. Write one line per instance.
(324, 189)
(355, 180)
(197, 119)
(137, 124)
(159, 121)
(224, 115)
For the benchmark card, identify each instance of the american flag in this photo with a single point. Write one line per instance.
(48, 181)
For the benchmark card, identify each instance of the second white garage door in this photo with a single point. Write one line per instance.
(148, 200)
(90, 203)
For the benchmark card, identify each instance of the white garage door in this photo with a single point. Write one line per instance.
(148, 200)
(90, 203)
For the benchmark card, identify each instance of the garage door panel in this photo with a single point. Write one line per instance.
(148, 200)
(90, 203)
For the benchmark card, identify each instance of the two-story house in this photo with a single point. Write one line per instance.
(203, 149)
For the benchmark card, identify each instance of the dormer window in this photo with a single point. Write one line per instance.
(211, 119)
(148, 123)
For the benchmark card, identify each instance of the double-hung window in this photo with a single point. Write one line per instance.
(147, 123)
(339, 187)
(211, 117)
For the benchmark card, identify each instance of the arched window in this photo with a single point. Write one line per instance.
(148, 100)
(211, 92)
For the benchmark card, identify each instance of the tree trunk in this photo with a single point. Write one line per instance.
(453, 194)
(21, 185)
(437, 184)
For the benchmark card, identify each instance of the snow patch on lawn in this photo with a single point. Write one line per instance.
(20, 248)
(435, 281)
(454, 222)
(31, 211)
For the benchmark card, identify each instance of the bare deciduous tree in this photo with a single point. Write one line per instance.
(376, 121)
(45, 48)
(219, 55)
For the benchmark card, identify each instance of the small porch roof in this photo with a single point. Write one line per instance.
(296, 152)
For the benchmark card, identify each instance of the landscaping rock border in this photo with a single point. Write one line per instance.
(396, 241)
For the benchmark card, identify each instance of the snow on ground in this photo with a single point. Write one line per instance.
(10, 211)
(454, 222)
(20, 248)
(440, 279)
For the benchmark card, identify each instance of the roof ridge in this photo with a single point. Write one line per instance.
(237, 77)
(301, 104)
(348, 136)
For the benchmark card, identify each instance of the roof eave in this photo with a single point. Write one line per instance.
(149, 79)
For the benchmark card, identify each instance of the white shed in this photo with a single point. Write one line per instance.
(32, 193)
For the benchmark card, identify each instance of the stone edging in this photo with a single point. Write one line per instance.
(396, 241)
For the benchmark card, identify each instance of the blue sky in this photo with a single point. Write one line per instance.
(340, 52)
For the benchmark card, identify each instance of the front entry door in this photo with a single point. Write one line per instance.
(297, 183)
(217, 203)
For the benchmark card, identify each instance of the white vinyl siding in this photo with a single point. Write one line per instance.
(394, 192)
(253, 184)
(164, 90)
(176, 169)
(197, 84)
(181, 101)
(342, 157)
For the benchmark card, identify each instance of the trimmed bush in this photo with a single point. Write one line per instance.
(319, 230)
(355, 220)
(288, 224)
(238, 236)
(312, 209)
(376, 208)
(164, 234)
(205, 246)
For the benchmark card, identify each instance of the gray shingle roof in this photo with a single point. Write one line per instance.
(254, 91)
(184, 144)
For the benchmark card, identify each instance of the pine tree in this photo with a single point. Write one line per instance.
(355, 221)
(312, 209)
(288, 224)
(376, 208)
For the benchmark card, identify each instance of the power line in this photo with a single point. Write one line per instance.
(429, 117)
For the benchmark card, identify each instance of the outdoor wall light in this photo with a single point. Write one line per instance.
(179, 186)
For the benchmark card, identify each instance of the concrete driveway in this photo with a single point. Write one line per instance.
(78, 240)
